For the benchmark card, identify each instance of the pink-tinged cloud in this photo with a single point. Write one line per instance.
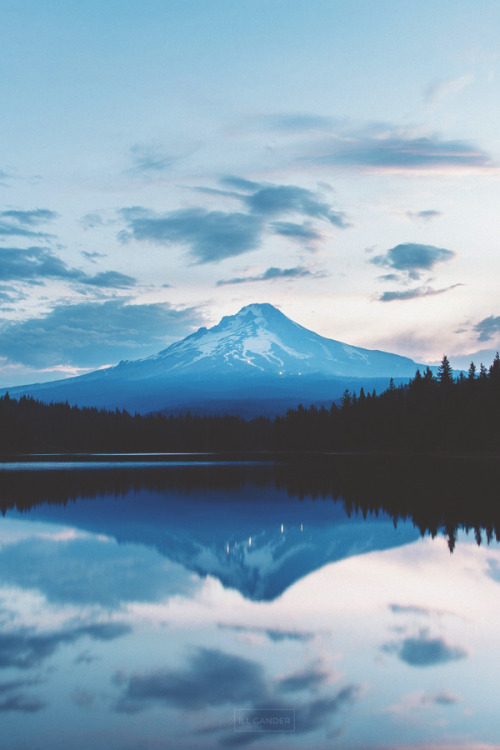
(388, 149)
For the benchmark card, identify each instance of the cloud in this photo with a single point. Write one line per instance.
(151, 159)
(295, 231)
(15, 223)
(411, 258)
(297, 122)
(240, 183)
(267, 199)
(215, 235)
(13, 230)
(313, 714)
(273, 200)
(13, 697)
(288, 635)
(110, 279)
(387, 148)
(212, 678)
(307, 680)
(33, 265)
(96, 220)
(390, 277)
(421, 291)
(421, 701)
(277, 636)
(439, 90)
(210, 235)
(35, 217)
(424, 651)
(21, 702)
(440, 699)
(271, 274)
(426, 215)
(25, 649)
(487, 328)
(114, 576)
(412, 609)
(92, 256)
(83, 698)
(90, 334)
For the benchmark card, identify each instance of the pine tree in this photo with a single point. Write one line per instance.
(445, 373)
(494, 371)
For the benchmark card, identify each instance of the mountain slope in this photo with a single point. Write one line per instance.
(259, 336)
(256, 357)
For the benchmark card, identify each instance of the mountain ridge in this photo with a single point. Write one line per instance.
(258, 354)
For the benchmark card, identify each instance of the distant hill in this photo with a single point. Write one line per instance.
(257, 361)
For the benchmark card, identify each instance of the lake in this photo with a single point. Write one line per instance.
(182, 602)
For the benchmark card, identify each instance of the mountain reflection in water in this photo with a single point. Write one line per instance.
(141, 606)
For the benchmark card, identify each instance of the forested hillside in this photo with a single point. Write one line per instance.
(431, 413)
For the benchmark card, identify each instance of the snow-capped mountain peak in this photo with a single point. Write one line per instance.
(258, 336)
(262, 338)
(256, 355)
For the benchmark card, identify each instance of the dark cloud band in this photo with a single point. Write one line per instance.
(91, 334)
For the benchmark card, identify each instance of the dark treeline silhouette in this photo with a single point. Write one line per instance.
(439, 495)
(431, 413)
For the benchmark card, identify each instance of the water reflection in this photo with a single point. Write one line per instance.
(139, 615)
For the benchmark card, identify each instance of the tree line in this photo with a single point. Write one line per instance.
(432, 413)
(439, 495)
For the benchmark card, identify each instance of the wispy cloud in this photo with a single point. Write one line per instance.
(25, 649)
(14, 697)
(94, 220)
(306, 680)
(110, 280)
(390, 149)
(407, 294)
(277, 636)
(34, 265)
(4, 177)
(301, 232)
(298, 122)
(31, 218)
(438, 91)
(11, 230)
(298, 272)
(17, 223)
(151, 159)
(426, 215)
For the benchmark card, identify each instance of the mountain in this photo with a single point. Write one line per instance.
(257, 361)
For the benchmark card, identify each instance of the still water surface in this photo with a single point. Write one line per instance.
(147, 607)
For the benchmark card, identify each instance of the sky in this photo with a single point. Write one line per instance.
(164, 163)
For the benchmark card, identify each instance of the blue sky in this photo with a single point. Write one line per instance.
(164, 163)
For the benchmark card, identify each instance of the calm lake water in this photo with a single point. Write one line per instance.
(169, 605)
